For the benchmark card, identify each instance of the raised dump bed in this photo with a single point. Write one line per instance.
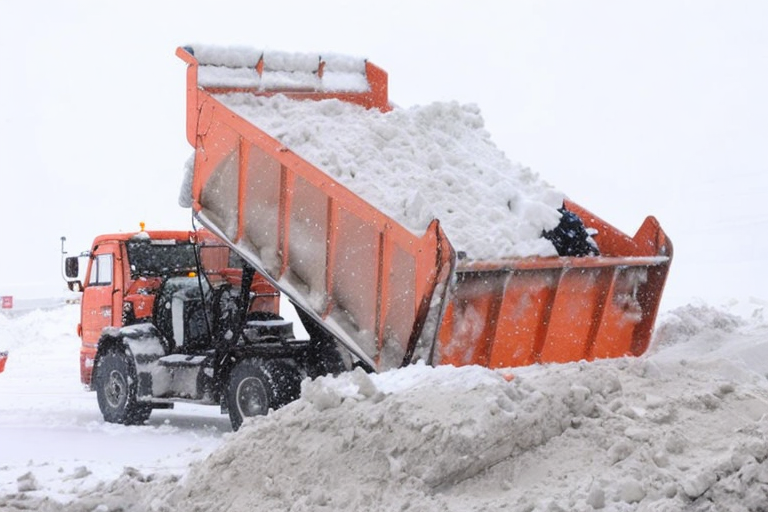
(374, 266)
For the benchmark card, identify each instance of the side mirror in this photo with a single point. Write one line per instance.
(71, 267)
(75, 286)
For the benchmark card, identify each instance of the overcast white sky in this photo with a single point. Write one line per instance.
(631, 108)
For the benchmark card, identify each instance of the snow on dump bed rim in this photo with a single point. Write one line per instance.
(269, 69)
(418, 164)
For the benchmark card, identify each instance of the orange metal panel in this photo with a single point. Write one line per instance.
(87, 356)
(621, 315)
(399, 310)
(575, 310)
(458, 344)
(384, 256)
(523, 319)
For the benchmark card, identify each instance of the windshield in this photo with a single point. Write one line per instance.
(150, 258)
(161, 258)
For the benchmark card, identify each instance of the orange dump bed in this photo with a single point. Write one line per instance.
(538, 310)
(388, 295)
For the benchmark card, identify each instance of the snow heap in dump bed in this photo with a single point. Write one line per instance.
(418, 164)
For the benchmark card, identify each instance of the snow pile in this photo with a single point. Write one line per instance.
(682, 428)
(418, 164)
(18, 326)
(54, 444)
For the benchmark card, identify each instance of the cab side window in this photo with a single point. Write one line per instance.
(101, 270)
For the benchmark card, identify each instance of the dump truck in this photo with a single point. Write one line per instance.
(372, 289)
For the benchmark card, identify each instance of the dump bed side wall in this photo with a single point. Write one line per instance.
(363, 276)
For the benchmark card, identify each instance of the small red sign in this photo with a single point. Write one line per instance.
(7, 301)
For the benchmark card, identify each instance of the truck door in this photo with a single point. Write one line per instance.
(102, 297)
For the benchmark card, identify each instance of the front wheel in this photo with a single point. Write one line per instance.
(115, 383)
(257, 386)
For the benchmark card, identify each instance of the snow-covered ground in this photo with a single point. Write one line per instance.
(682, 428)
(53, 441)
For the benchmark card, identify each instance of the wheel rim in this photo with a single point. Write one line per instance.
(115, 389)
(250, 397)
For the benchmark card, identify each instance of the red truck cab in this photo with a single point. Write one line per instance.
(125, 270)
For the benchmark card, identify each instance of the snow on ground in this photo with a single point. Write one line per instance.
(681, 428)
(53, 441)
(417, 164)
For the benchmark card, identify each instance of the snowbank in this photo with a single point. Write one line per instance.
(417, 164)
(681, 428)
(54, 444)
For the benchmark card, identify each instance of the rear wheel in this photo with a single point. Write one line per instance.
(115, 383)
(323, 357)
(257, 386)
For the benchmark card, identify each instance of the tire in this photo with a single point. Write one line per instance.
(325, 358)
(256, 386)
(115, 384)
